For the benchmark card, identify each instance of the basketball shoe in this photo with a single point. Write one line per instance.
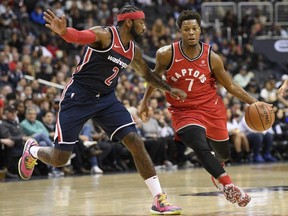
(162, 207)
(27, 162)
(234, 194)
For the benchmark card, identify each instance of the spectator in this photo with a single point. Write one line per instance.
(97, 149)
(6, 151)
(37, 15)
(243, 77)
(253, 89)
(158, 29)
(35, 128)
(48, 120)
(238, 139)
(269, 93)
(155, 144)
(261, 142)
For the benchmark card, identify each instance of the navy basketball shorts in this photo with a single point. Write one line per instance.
(79, 105)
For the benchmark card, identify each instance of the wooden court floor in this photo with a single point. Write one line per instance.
(126, 194)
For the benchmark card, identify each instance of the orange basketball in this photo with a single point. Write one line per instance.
(259, 116)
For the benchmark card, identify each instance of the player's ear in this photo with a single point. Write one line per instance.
(129, 23)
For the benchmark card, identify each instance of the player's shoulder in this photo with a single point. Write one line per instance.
(164, 51)
(101, 29)
(214, 57)
(102, 32)
(103, 35)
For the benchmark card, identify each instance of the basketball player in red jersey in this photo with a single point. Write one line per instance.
(91, 94)
(200, 121)
(283, 89)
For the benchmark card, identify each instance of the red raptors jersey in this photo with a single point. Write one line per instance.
(192, 76)
(203, 107)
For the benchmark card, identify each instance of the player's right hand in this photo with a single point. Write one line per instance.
(57, 25)
(283, 90)
(178, 94)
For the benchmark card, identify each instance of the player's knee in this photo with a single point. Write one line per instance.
(223, 160)
(134, 143)
(224, 155)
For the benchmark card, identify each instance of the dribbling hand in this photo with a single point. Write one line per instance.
(57, 25)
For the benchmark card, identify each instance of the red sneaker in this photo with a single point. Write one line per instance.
(234, 194)
(27, 162)
(162, 207)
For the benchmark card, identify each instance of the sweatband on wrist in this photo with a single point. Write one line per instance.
(81, 37)
(131, 16)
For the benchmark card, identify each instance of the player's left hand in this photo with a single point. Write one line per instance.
(178, 94)
(144, 111)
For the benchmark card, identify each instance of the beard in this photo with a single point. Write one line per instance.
(138, 38)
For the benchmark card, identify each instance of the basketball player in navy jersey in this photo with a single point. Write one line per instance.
(201, 120)
(91, 94)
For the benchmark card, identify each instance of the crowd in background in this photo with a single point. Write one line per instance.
(29, 52)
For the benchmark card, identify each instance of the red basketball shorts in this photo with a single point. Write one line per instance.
(211, 116)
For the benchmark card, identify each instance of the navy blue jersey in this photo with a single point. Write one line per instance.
(98, 70)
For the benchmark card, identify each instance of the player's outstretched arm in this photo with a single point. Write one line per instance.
(283, 89)
(70, 35)
(163, 57)
(141, 68)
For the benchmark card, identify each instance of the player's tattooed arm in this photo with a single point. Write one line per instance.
(141, 68)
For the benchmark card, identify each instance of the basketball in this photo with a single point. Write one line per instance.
(259, 116)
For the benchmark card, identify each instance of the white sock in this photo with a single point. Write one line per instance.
(34, 150)
(154, 185)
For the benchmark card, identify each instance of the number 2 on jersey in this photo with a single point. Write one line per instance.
(109, 81)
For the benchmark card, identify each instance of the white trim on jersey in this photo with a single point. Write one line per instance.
(86, 59)
(218, 140)
(191, 125)
(183, 54)
(109, 48)
(173, 56)
(58, 131)
(131, 123)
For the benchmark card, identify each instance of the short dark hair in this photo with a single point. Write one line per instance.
(188, 15)
(127, 9)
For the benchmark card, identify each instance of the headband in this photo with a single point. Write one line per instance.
(131, 16)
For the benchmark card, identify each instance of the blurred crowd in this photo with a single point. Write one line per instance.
(30, 52)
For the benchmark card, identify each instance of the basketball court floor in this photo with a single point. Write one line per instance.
(126, 194)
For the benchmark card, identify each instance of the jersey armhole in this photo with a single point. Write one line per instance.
(209, 58)
(110, 45)
(172, 57)
(112, 37)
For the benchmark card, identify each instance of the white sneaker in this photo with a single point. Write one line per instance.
(96, 170)
(89, 143)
